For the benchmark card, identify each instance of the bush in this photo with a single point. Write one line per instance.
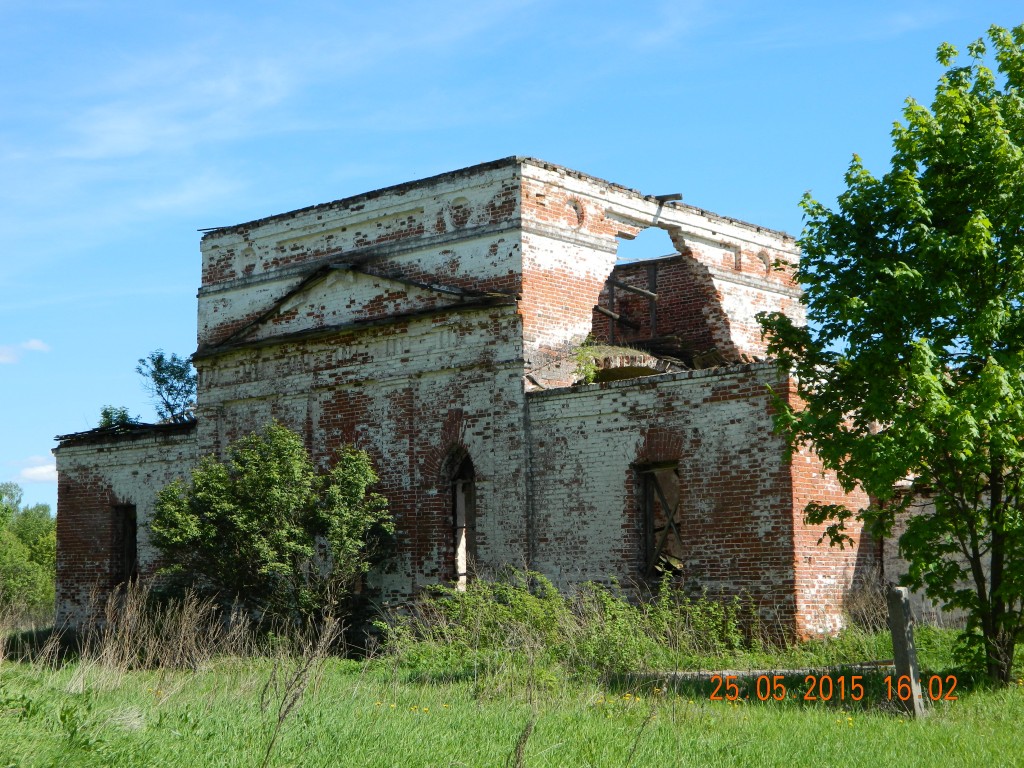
(263, 529)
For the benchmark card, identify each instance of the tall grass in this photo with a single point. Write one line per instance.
(521, 621)
(511, 672)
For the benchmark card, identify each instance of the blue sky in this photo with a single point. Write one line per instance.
(126, 126)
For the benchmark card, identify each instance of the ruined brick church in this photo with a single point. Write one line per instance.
(438, 325)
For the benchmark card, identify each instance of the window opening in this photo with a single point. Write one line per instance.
(464, 516)
(126, 544)
(663, 541)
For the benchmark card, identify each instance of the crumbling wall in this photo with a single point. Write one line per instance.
(456, 231)
(97, 474)
(726, 271)
(406, 343)
(405, 320)
(734, 490)
(410, 394)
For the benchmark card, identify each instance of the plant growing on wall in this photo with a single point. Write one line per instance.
(264, 528)
(586, 366)
(116, 416)
(912, 366)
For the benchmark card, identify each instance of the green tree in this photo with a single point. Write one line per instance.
(262, 527)
(911, 368)
(10, 501)
(171, 382)
(28, 555)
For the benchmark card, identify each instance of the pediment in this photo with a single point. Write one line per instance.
(342, 296)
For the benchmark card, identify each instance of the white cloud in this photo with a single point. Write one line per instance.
(39, 470)
(11, 353)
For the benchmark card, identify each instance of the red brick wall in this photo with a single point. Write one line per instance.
(688, 305)
(93, 478)
(825, 574)
(735, 495)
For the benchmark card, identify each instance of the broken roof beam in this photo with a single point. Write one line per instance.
(632, 288)
(617, 317)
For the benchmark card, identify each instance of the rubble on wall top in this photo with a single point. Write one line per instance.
(124, 431)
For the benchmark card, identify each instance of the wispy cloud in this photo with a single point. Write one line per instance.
(12, 353)
(38, 469)
(177, 102)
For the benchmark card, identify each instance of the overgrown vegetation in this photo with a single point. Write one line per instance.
(586, 366)
(174, 683)
(522, 621)
(28, 554)
(116, 416)
(263, 530)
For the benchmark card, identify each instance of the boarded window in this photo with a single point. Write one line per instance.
(663, 541)
(126, 544)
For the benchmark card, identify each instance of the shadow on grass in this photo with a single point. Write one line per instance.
(43, 645)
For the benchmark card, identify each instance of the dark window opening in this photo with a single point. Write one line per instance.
(463, 487)
(126, 545)
(663, 541)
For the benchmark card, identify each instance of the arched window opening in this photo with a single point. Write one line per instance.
(664, 549)
(463, 493)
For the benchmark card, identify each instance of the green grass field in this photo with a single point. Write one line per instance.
(371, 714)
(508, 674)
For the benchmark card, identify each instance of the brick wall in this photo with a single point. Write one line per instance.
(95, 475)
(824, 573)
(741, 501)
(411, 394)
(734, 487)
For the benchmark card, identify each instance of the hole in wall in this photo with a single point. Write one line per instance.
(651, 243)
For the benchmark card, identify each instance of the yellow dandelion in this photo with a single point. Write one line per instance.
(426, 709)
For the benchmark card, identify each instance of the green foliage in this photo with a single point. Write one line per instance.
(171, 381)
(586, 366)
(263, 528)
(912, 364)
(28, 552)
(116, 416)
(521, 618)
(24, 583)
(10, 500)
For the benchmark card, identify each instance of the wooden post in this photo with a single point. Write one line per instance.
(901, 624)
